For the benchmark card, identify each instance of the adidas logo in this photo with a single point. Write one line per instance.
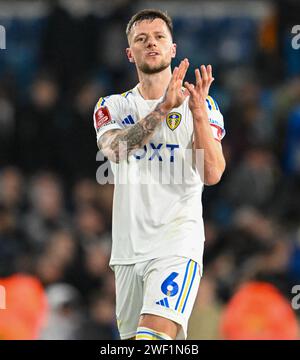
(128, 120)
(164, 302)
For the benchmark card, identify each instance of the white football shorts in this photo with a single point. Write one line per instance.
(166, 287)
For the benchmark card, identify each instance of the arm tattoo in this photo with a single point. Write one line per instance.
(117, 144)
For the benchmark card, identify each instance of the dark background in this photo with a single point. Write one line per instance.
(55, 220)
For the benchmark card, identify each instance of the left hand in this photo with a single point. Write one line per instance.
(199, 93)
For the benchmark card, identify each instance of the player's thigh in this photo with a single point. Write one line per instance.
(129, 299)
(170, 289)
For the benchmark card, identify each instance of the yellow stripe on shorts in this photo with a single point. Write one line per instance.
(187, 285)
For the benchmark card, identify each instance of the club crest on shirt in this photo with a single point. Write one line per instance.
(173, 120)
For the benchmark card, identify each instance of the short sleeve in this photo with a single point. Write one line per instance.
(106, 115)
(215, 118)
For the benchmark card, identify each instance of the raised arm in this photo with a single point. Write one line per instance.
(214, 162)
(117, 144)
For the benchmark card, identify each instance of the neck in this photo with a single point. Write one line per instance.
(153, 86)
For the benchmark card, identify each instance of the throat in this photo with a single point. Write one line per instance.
(151, 92)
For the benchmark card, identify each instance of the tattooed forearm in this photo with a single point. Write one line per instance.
(118, 144)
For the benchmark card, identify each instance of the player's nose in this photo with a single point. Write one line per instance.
(151, 42)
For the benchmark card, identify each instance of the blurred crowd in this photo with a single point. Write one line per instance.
(55, 220)
(65, 242)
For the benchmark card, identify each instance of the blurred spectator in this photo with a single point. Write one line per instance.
(245, 249)
(7, 125)
(74, 136)
(35, 135)
(90, 223)
(294, 260)
(256, 312)
(47, 211)
(69, 44)
(12, 189)
(108, 285)
(97, 256)
(118, 67)
(12, 242)
(61, 246)
(204, 322)
(48, 269)
(84, 193)
(27, 308)
(88, 268)
(100, 322)
(104, 201)
(65, 316)
(254, 180)
(291, 160)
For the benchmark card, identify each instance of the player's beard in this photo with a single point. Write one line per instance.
(154, 69)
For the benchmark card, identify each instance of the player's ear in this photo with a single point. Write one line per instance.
(129, 55)
(173, 50)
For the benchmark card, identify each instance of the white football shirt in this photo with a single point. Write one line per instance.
(157, 212)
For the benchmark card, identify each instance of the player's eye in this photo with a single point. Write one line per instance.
(140, 39)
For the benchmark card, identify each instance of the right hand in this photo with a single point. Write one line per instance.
(175, 93)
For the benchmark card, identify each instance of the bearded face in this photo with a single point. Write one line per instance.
(149, 68)
(151, 47)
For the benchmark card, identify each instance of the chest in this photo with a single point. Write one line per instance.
(176, 128)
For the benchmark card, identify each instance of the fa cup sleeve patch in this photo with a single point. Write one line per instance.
(102, 117)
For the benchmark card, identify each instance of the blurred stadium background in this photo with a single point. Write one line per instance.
(55, 220)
